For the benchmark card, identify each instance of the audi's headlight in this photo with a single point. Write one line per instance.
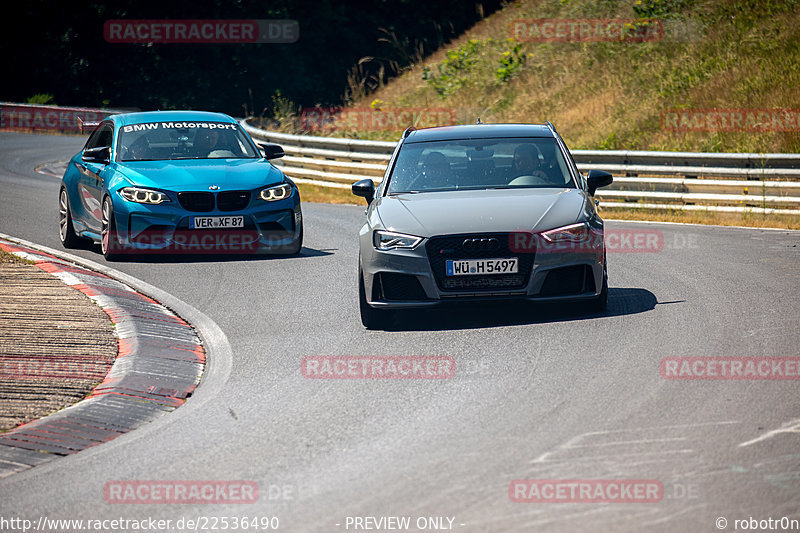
(143, 196)
(277, 192)
(389, 240)
(574, 233)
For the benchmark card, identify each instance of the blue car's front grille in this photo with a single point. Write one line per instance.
(200, 202)
(477, 246)
(233, 200)
(203, 202)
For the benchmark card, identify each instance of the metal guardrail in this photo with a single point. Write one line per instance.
(758, 183)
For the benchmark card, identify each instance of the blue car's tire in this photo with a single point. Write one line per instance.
(66, 231)
(109, 243)
(295, 248)
(289, 249)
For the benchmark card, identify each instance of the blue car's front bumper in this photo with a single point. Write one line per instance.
(268, 226)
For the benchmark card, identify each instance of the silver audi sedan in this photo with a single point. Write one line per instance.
(476, 213)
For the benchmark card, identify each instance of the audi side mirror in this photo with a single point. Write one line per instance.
(597, 179)
(365, 189)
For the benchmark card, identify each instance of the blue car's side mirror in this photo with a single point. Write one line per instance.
(271, 151)
(101, 154)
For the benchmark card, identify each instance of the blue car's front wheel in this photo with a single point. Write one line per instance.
(66, 231)
(295, 247)
(109, 243)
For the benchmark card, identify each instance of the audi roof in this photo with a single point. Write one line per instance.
(478, 131)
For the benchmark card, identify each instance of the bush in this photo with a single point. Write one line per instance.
(41, 99)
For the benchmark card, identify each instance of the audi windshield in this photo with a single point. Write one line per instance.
(479, 164)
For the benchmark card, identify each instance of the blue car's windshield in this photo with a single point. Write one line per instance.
(167, 140)
(479, 164)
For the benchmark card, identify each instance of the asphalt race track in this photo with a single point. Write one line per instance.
(538, 393)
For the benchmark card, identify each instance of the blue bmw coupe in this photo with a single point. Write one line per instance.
(178, 182)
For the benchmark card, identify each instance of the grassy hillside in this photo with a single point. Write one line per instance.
(714, 54)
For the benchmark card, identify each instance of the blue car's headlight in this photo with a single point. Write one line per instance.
(143, 196)
(277, 192)
(389, 240)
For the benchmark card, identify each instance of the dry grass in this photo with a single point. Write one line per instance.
(610, 95)
(327, 195)
(6, 257)
(703, 217)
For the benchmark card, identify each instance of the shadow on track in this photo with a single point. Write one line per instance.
(150, 257)
(621, 302)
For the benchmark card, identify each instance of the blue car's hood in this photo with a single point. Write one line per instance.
(200, 174)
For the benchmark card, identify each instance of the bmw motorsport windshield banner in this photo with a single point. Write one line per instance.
(178, 125)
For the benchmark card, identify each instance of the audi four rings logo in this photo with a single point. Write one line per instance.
(488, 244)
